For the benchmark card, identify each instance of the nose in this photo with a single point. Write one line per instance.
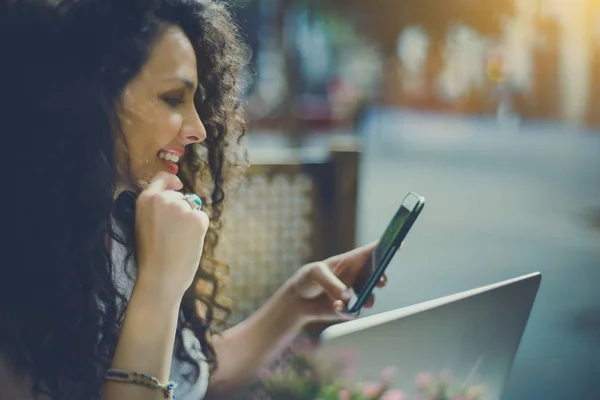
(193, 130)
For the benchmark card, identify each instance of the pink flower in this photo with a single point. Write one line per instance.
(371, 389)
(388, 375)
(346, 357)
(344, 394)
(423, 380)
(304, 345)
(348, 373)
(393, 394)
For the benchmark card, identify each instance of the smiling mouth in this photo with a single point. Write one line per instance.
(169, 160)
(168, 156)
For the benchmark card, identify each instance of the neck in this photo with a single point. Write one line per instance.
(120, 189)
(130, 187)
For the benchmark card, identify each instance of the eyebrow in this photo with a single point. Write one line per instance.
(189, 84)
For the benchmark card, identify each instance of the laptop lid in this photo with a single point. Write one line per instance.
(473, 334)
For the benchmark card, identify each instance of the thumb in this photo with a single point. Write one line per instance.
(359, 255)
(321, 274)
(164, 181)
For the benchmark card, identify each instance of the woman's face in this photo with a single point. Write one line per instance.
(158, 117)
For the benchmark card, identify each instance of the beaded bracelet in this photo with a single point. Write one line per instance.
(141, 379)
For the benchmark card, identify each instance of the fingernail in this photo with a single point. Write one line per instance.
(347, 316)
(345, 295)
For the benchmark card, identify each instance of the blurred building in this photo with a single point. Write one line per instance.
(546, 65)
(550, 47)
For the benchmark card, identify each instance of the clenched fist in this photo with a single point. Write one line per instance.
(169, 237)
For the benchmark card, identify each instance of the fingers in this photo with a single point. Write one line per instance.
(358, 255)
(321, 274)
(173, 196)
(382, 281)
(370, 301)
(164, 181)
(362, 252)
(339, 305)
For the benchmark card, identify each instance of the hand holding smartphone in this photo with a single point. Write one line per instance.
(389, 243)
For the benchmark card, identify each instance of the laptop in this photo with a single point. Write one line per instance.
(474, 335)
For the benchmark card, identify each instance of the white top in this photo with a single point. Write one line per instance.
(185, 389)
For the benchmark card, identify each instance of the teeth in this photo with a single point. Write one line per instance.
(174, 158)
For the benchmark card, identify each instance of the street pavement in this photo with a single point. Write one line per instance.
(502, 201)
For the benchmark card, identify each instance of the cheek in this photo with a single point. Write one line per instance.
(146, 130)
(175, 122)
(162, 131)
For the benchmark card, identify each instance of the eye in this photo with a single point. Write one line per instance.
(173, 99)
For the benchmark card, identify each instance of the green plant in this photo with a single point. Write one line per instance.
(300, 376)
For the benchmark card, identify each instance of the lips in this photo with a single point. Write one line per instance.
(170, 158)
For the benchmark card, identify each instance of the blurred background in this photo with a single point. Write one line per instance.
(488, 108)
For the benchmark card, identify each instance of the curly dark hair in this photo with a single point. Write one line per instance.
(64, 65)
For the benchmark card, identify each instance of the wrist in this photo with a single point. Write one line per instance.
(291, 315)
(156, 294)
(147, 336)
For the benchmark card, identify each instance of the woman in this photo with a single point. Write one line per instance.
(113, 113)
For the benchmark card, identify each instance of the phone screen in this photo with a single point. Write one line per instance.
(386, 248)
(384, 245)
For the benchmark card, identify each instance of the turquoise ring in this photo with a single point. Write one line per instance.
(194, 201)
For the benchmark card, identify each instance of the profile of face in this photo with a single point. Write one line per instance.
(157, 116)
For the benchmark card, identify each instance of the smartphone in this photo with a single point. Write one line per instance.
(390, 241)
